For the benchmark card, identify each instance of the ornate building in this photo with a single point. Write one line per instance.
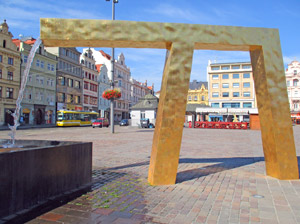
(9, 75)
(38, 104)
(198, 93)
(292, 75)
(90, 81)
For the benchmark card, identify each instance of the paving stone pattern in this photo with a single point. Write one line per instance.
(221, 179)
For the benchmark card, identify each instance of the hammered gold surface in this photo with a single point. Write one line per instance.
(181, 40)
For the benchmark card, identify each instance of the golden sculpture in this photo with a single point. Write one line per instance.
(181, 40)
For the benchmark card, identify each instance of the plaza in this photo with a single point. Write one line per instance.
(221, 179)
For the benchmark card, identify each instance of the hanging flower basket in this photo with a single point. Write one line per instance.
(111, 94)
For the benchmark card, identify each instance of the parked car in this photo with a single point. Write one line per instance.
(145, 123)
(124, 122)
(101, 122)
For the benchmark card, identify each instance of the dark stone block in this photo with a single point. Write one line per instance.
(32, 176)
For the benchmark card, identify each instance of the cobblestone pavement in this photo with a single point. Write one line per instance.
(221, 179)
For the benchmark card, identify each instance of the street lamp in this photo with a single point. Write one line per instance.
(112, 72)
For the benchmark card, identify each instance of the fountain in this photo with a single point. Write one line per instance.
(33, 173)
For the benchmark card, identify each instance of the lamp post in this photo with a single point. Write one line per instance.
(112, 73)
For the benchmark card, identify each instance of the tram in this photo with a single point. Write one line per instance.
(75, 118)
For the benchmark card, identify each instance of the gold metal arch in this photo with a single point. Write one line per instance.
(181, 40)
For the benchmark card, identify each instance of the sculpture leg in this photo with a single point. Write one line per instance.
(170, 116)
(274, 112)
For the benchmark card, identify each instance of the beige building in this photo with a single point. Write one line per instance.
(68, 78)
(138, 90)
(90, 81)
(38, 104)
(292, 75)
(230, 85)
(9, 75)
(198, 93)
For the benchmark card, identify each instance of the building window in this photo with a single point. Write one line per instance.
(246, 94)
(49, 68)
(25, 58)
(225, 85)
(61, 97)
(247, 105)
(215, 105)
(10, 75)
(195, 98)
(246, 66)
(214, 68)
(190, 98)
(295, 106)
(86, 85)
(0, 58)
(235, 76)
(235, 85)
(52, 67)
(235, 67)
(215, 94)
(230, 105)
(10, 61)
(225, 76)
(0, 73)
(215, 85)
(70, 82)
(120, 83)
(295, 82)
(0, 91)
(225, 94)
(246, 75)
(296, 93)
(61, 80)
(246, 84)
(42, 64)
(77, 84)
(295, 72)
(225, 67)
(215, 76)
(70, 98)
(236, 94)
(37, 63)
(77, 99)
(287, 83)
(203, 98)
(9, 93)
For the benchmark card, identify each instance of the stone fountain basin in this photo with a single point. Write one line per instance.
(40, 171)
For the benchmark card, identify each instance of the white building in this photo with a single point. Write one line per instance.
(145, 108)
(292, 75)
(90, 81)
(103, 82)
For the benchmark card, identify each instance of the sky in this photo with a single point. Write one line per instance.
(147, 64)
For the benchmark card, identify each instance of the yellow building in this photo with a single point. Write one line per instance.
(198, 93)
(9, 75)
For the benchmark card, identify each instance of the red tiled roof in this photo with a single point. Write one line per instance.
(16, 42)
(98, 67)
(149, 87)
(30, 42)
(105, 55)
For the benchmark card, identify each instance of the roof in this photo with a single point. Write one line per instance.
(192, 107)
(149, 87)
(16, 42)
(230, 63)
(197, 85)
(107, 56)
(148, 102)
(98, 66)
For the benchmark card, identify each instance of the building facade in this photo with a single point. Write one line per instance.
(39, 99)
(103, 83)
(198, 93)
(90, 81)
(138, 91)
(231, 85)
(9, 75)
(69, 81)
(292, 75)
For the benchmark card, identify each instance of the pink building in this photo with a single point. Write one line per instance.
(292, 75)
